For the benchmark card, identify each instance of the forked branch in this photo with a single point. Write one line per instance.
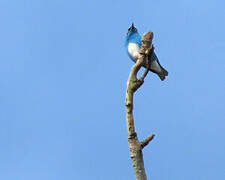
(133, 83)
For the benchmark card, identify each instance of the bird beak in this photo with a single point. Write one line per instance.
(132, 26)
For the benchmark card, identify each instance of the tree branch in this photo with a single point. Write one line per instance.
(147, 140)
(149, 51)
(133, 83)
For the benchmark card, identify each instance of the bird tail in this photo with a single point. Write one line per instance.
(162, 75)
(157, 68)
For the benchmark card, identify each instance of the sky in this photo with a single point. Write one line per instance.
(63, 73)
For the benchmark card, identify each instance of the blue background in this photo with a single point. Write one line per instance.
(63, 73)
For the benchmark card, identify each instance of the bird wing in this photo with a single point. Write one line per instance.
(156, 67)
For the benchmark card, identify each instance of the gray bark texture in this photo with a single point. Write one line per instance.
(133, 83)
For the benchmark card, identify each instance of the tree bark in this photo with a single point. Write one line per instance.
(133, 83)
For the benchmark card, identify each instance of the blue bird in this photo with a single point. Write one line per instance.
(133, 44)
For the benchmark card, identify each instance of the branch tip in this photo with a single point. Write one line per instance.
(147, 140)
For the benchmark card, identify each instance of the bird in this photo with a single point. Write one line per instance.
(133, 44)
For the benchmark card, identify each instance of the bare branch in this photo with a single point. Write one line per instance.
(133, 83)
(147, 140)
(148, 52)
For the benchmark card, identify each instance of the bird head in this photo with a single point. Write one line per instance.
(131, 30)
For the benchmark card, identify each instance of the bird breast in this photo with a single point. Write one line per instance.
(133, 50)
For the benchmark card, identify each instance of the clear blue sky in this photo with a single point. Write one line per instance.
(63, 73)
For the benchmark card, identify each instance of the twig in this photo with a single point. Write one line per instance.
(147, 140)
